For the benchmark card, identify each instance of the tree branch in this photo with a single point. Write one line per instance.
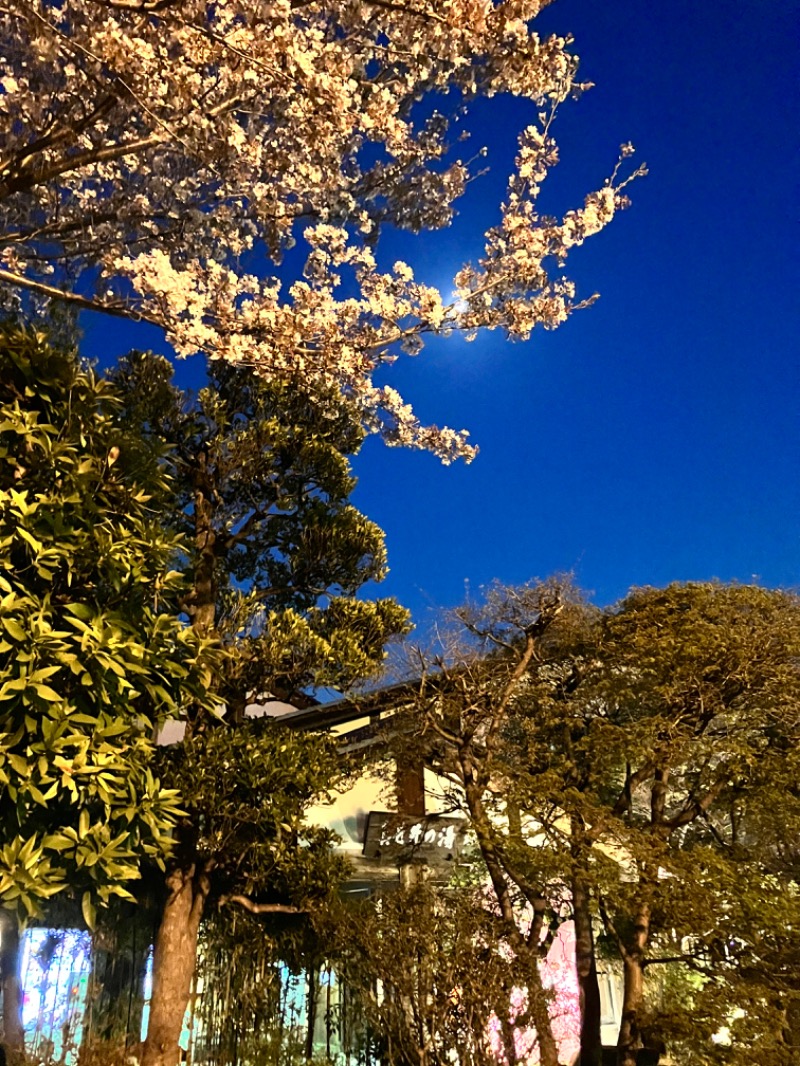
(262, 908)
(49, 139)
(68, 163)
(148, 7)
(87, 303)
(533, 633)
(632, 781)
(388, 5)
(695, 808)
(612, 930)
(686, 960)
(245, 529)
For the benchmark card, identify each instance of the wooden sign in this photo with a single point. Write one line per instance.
(434, 838)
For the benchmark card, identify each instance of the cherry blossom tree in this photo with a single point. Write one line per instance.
(159, 157)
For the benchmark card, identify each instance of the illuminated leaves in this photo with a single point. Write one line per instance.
(89, 661)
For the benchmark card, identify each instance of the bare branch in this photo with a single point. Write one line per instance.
(262, 908)
(86, 303)
(695, 808)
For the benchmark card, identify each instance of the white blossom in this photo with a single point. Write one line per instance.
(148, 145)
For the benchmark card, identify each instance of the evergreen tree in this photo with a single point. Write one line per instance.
(275, 556)
(93, 656)
(697, 747)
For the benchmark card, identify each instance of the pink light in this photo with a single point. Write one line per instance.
(559, 974)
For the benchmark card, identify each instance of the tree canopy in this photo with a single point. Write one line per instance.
(275, 550)
(151, 152)
(633, 771)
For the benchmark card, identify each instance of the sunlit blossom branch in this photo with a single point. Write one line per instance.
(227, 123)
(406, 9)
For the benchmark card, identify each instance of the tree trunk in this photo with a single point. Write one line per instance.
(586, 966)
(508, 1032)
(174, 962)
(539, 1011)
(791, 1027)
(633, 958)
(311, 1009)
(629, 1040)
(500, 878)
(175, 954)
(203, 611)
(13, 1033)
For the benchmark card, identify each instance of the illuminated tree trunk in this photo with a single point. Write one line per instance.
(175, 954)
(633, 994)
(204, 599)
(585, 958)
(174, 962)
(13, 1033)
(537, 998)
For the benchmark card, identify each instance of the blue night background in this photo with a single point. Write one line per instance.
(655, 436)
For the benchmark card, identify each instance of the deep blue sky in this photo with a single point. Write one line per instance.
(655, 436)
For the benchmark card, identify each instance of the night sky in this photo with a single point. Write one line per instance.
(655, 436)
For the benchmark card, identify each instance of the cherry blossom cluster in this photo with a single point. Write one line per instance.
(149, 147)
